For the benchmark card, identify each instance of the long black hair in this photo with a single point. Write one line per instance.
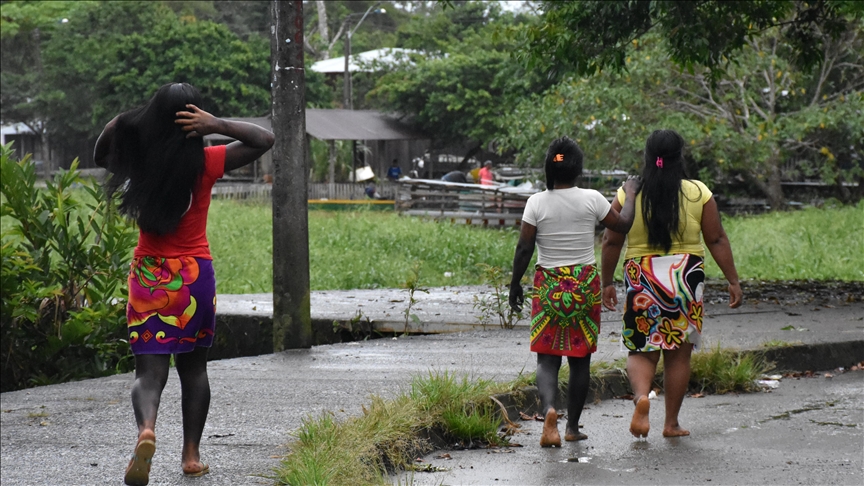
(661, 187)
(152, 163)
(563, 162)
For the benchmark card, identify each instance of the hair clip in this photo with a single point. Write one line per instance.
(659, 162)
(558, 158)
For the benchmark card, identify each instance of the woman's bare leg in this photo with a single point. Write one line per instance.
(195, 387)
(641, 368)
(547, 388)
(151, 374)
(676, 377)
(577, 391)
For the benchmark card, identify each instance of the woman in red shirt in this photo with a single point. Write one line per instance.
(164, 176)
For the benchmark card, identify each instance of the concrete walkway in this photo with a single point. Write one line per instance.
(82, 433)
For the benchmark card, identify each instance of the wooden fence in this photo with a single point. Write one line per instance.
(341, 191)
(462, 203)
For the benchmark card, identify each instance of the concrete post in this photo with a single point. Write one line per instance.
(292, 323)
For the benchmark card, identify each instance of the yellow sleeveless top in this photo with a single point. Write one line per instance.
(694, 194)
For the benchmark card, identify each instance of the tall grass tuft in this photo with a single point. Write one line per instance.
(360, 450)
(723, 370)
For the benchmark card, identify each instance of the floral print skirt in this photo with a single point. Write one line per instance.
(663, 309)
(565, 311)
(172, 305)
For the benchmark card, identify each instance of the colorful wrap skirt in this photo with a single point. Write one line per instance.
(172, 305)
(663, 309)
(565, 311)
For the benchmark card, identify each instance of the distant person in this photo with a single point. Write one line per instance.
(164, 174)
(455, 176)
(565, 311)
(664, 275)
(371, 191)
(486, 176)
(394, 172)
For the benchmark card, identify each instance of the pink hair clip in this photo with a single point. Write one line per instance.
(659, 162)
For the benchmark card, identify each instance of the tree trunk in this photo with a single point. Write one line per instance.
(463, 166)
(773, 189)
(322, 28)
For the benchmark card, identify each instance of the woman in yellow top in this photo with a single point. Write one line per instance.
(664, 274)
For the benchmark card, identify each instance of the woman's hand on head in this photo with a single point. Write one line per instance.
(610, 298)
(197, 122)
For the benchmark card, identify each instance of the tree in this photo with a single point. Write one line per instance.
(460, 92)
(584, 37)
(112, 56)
(23, 27)
(763, 118)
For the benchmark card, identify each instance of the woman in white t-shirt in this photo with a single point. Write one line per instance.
(565, 311)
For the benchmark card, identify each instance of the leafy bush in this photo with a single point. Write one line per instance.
(65, 257)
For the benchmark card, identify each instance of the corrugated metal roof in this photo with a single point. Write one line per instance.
(357, 125)
(344, 125)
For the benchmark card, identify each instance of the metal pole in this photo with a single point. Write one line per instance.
(346, 91)
(292, 323)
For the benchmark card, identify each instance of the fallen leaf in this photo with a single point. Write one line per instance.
(697, 395)
(443, 456)
(525, 416)
(828, 375)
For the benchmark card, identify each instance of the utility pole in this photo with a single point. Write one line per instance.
(292, 322)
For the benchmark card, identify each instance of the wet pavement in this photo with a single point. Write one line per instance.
(806, 431)
(82, 433)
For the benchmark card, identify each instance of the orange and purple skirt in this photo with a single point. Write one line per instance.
(565, 311)
(172, 305)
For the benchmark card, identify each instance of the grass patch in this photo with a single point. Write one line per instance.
(724, 371)
(373, 249)
(815, 244)
(776, 343)
(389, 434)
(351, 250)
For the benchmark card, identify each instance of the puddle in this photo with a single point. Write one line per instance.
(580, 460)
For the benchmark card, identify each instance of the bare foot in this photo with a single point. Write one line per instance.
(675, 431)
(571, 436)
(550, 436)
(138, 470)
(196, 468)
(639, 425)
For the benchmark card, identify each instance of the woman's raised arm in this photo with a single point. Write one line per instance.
(252, 140)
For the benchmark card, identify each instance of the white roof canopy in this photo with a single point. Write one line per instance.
(365, 61)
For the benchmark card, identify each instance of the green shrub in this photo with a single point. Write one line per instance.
(65, 257)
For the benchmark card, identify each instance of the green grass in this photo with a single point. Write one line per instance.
(370, 249)
(722, 370)
(810, 244)
(360, 450)
(348, 250)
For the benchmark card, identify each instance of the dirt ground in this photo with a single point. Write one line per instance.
(790, 292)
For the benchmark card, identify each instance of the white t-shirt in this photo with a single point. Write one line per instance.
(565, 220)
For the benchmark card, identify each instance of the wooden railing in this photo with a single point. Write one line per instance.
(316, 190)
(461, 203)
